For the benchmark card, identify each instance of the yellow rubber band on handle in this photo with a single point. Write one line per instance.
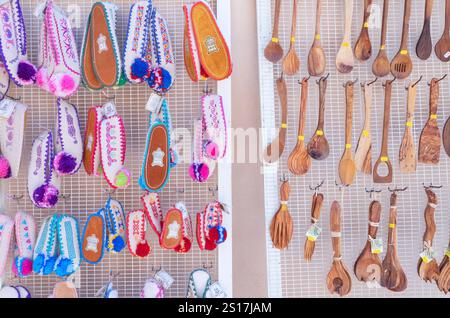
(345, 44)
(384, 159)
(365, 133)
(383, 47)
(391, 225)
(319, 132)
(434, 116)
(348, 146)
(409, 124)
(284, 126)
(366, 25)
(301, 138)
(293, 39)
(317, 36)
(275, 40)
(404, 52)
(312, 238)
(447, 253)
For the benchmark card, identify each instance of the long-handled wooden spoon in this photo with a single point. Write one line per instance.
(363, 46)
(281, 227)
(310, 243)
(442, 48)
(273, 51)
(316, 56)
(347, 167)
(344, 59)
(424, 45)
(446, 136)
(318, 147)
(363, 157)
(291, 62)
(444, 276)
(383, 159)
(381, 66)
(401, 65)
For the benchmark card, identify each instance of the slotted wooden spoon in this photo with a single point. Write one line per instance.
(281, 227)
(273, 51)
(316, 57)
(442, 48)
(363, 46)
(291, 62)
(363, 157)
(401, 65)
(381, 66)
(424, 45)
(344, 59)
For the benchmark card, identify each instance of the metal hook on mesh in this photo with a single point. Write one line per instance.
(5, 94)
(156, 269)
(370, 83)
(417, 82)
(109, 97)
(323, 79)
(109, 192)
(350, 83)
(206, 266)
(284, 178)
(305, 79)
(372, 191)
(206, 89)
(389, 81)
(431, 186)
(438, 80)
(341, 186)
(396, 189)
(213, 190)
(317, 187)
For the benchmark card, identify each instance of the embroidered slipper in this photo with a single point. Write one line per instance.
(214, 230)
(69, 258)
(9, 292)
(199, 283)
(214, 126)
(116, 222)
(65, 289)
(4, 79)
(25, 240)
(152, 289)
(215, 291)
(201, 168)
(172, 231)
(59, 67)
(43, 182)
(13, 44)
(206, 52)
(6, 230)
(91, 151)
(44, 255)
(153, 211)
(93, 239)
(23, 291)
(136, 229)
(69, 145)
(12, 130)
(186, 241)
(203, 242)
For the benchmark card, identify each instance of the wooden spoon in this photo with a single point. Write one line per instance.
(344, 58)
(318, 147)
(316, 56)
(430, 139)
(316, 207)
(273, 51)
(381, 66)
(363, 157)
(281, 227)
(291, 62)
(442, 48)
(338, 278)
(401, 65)
(424, 45)
(407, 153)
(368, 265)
(444, 269)
(363, 47)
(446, 136)
(383, 159)
(276, 148)
(347, 167)
(299, 161)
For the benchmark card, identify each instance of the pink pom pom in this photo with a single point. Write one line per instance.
(199, 172)
(42, 78)
(5, 168)
(27, 267)
(67, 83)
(211, 149)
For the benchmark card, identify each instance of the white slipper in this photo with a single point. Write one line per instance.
(25, 240)
(153, 211)
(44, 255)
(136, 230)
(116, 224)
(9, 292)
(69, 258)
(152, 289)
(199, 283)
(6, 231)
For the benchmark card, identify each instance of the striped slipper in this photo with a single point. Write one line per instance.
(153, 211)
(69, 258)
(6, 231)
(25, 240)
(136, 230)
(116, 224)
(44, 255)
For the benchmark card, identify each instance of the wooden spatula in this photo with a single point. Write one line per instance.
(442, 48)
(347, 167)
(273, 51)
(424, 45)
(291, 62)
(363, 157)
(363, 46)
(401, 65)
(381, 66)
(344, 59)
(316, 56)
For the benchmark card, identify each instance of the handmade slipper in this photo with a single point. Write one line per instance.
(136, 229)
(186, 241)
(116, 223)
(93, 239)
(215, 291)
(201, 168)
(9, 292)
(214, 230)
(152, 289)
(199, 283)
(44, 255)
(172, 231)
(12, 131)
(43, 182)
(91, 151)
(25, 240)
(6, 230)
(65, 289)
(13, 44)
(4, 79)
(89, 77)
(203, 242)
(69, 145)
(153, 211)
(69, 258)
(214, 127)
(23, 291)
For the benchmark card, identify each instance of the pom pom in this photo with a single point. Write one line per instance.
(210, 245)
(5, 168)
(199, 172)
(49, 265)
(46, 196)
(38, 263)
(213, 234)
(160, 79)
(24, 266)
(67, 84)
(42, 78)
(184, 246)
(139, 68)
(118, 244)
(65, 163)
(211, 149)
(26, 72)
(142, 249)
(64, 267)
(122, 179)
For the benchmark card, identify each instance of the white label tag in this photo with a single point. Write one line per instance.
(313, 232)
(427, 255)
(7, 107)
(215, 291)
(164, 278)
(109, 109)
(376, 246)
(446, 55)
(154, 103)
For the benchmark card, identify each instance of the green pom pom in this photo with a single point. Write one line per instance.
(122, 179)
(122, 80)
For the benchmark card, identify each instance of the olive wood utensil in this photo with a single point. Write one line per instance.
(424, 45)
(401, 65)
(338, 278)
(273, 51)
(344, 59)
(368, 265)
(281, 227)
(381, 66)
(446, 137)
(316, 207)
(383, 159)
(318, 147)
(430, 138)
(442, 48)
(444, 269)
(363, 157)
(407, 153)
(291, 62)
(316, 57)
(347, 167)
(363, 46)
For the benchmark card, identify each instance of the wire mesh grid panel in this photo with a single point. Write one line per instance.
(86, 194)
(289, 274)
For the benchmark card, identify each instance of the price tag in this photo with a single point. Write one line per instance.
(215, 291)
(376, 246)
(313, 232)
(7, 107)
(154, 103)
(164, 278)
(109, 109)
(427, 255)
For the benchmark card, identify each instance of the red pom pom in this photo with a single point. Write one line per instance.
(184, 246)
(210, 245)
(143, 249)
(213, 234)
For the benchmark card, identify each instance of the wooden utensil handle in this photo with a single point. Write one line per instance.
(348, 19)
(318, 15)
(367, 4)
(384, 23)
(392, 219)
(374, 218)
(285, 191)
(303, 103)
(348, 112)
(367, 105)
(282, 93)
(387, 115)
(430, 224)
(316, 207)
(276, 20)
(411, 103)
(428, 11)
(434, 96)
(322, 94)
(447, 17)
(294, 21)
(406, 17)
(335, 226)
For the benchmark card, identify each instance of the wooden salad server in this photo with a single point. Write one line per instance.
(363, 157)
(347, 167)
(276, 148)
(446, 137)
(392, 275)
(316, 208)
(299, 161)
(281, 227)
(407, 153)
(316, 57)
(363, 46)
(430, 138)
(368, 265)
(381, 66)
(291, 62)
(444, 276)
(427, 267)
(318, 147)
(424, 45)
(442, 48)
(401, 65)
(344, 59)
(273, 51)
(338, 278)
(383, 159)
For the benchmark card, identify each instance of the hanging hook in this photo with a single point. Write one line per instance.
(180, 191)
(284, 178)
(389, 81)
(317, 187)
(396, 189)
(15, 197)
(205, 266)
(431, 186)
(417, 82)
(213, 190)
(64, 196)
(109, 192)
(5, 94)
(372, 191)
(304, 79)
(340, 185)
(109, 98)
(350, 83)
(155, 270)
(437, 80)
(323, 79)
(370, 83)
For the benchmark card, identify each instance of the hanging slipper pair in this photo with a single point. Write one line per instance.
(201, 168)
(156, 286)
(200, 286)
(59, 66)
(206, 53)
(176, 233)
(105, 146)
(58, 247)
(136, 234)
(101, 65)
(210, 231)
(16, 291)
